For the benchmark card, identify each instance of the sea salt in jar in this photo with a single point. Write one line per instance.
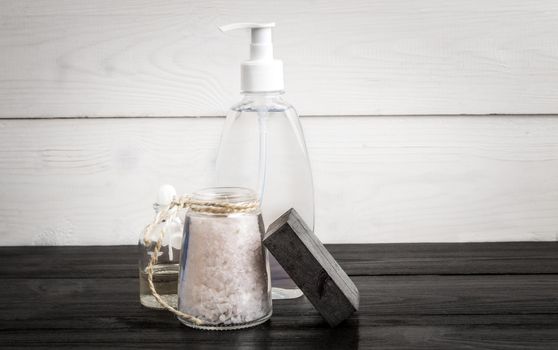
(224, 280)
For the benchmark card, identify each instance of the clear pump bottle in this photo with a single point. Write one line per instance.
(263, 147)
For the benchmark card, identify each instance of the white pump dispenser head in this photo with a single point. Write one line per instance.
(261, 73)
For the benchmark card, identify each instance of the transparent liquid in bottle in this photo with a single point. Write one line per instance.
(263, 148)
(165, 277)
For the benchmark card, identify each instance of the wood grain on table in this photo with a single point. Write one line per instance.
(419, 296)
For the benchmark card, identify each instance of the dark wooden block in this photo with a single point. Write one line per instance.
(312, 268)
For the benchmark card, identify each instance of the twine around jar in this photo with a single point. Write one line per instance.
(169, 213)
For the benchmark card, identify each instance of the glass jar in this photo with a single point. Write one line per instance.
(224, 280)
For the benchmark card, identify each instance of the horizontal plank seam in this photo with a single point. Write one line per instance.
(456, 274)
(154, 312)
(374, 315)
(304, 116)
(351, 275)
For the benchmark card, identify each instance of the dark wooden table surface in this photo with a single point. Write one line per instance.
(419, 296)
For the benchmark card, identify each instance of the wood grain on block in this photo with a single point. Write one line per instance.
(312, 267)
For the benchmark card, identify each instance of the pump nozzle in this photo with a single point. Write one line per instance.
(261, 72)
(245, 25)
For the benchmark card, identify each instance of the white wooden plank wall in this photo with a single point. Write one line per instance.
(378, 179)
(392, 178)
(167, 58)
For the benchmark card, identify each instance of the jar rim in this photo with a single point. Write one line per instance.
(225, 194)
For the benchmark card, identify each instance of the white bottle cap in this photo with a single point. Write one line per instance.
(261, 72)
(165, 195)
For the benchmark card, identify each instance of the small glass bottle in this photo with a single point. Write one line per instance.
(165, 272)
(224, 278)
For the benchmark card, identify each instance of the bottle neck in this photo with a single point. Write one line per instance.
(263, 93)
(271, 101)
(263, 97)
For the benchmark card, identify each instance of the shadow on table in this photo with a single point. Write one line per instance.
(297, 335)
